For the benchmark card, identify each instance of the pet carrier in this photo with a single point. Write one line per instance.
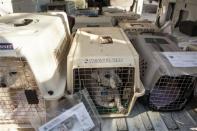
(184, 10)
(85, 21)
(128, 5)
(33, 35)
(170, 86)
(103, 61)
(91, 12)
(183, 40)
(31, 65)
(15, 6)
(119, 16)
(112, 9)
(79, 4)
(67, 6)
(69, 114)
(191, 47)
(124, 4)
(138, 26)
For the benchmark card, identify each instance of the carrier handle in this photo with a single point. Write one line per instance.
(24, 22)
(105, 40)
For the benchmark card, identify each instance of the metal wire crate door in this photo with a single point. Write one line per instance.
(20, 98)
(107, 100)
(172, 93)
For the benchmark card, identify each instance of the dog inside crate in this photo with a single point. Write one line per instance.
(107, 90)
(110, 88)
(18, 95)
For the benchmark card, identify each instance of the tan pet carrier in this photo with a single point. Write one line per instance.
(103, 61)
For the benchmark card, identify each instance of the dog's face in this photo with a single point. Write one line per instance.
(7, 77)
(107, 78)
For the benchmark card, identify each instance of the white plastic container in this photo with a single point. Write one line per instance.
(126, 5)
(138, 26)
(42, 39)
(100, 58)
(183, 40)
(91, 12)
(15, 6)
(85, 21)
(79, 4)
(67, 6)
(119, 16)
(32, 66)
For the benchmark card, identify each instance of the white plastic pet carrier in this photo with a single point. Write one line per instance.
(67, 6)
(183, 40)
(32, 68)
(138, 26)
(171, 83)
(43, 40)
(90, 11)
(123, 4)
(128, 5)
(112, 9)
(15, 6)
(119, 16)
(85, 21)
(79, 4)
(103, 61)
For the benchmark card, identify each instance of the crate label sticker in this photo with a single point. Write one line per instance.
(182, 59)
(102, 60)
(74, 119)
(6, 46)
